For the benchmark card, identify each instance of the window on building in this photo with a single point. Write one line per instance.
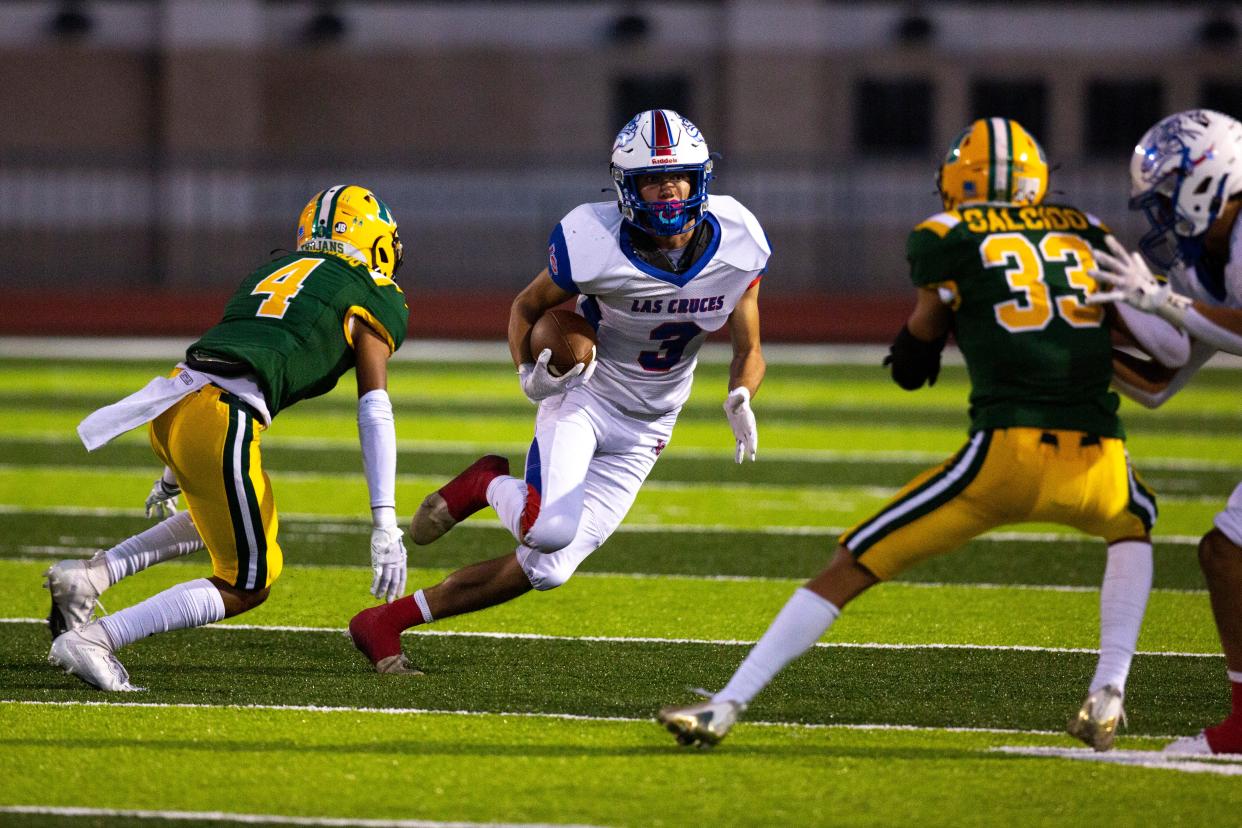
(635, 94)
(1025, 101)
(893, 116)
(1223, 96)
(1118, 113)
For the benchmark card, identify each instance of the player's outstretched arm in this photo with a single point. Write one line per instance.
(1130, 280)
(915, 354)
(746, 372)
(378, 436)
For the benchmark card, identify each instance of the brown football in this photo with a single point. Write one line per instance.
(567, 334)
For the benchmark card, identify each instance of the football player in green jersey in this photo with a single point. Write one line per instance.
(290, 331)
(1007, 274)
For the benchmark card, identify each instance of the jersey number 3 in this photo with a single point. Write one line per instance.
(281, 286)
(1024, 270)
(673, 337)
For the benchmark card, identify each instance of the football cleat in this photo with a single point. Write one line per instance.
(397, 665)
(380, 643)
(75, 589)
(87, 654)
(456, 500)
(703, 724)
(1096, 722)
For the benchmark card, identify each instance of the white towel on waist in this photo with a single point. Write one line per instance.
(139, 408)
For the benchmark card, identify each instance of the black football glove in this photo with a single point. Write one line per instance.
(914, 361)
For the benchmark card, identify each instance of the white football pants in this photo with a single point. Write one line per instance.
(583, 471)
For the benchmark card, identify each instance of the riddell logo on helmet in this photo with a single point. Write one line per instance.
(664, 160)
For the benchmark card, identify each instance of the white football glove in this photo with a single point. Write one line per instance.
(742, 421)
(162, 501)
(1133, 283)
(388, 563)
(538, 383)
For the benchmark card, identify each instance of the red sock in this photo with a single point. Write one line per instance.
(402, 613)
(1226, 737)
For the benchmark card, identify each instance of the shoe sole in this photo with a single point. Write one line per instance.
(396, 665)
(431, 521)
(688, 735)
(1098, 738)
(55, 660)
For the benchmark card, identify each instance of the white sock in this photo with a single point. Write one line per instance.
(507, 495)
(191, 604)
(164, 541)
(800, 623)
(1123, 600)
(1235, 676)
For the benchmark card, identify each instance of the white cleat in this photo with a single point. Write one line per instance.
(75, 589)
(1196, 745)
(703, 724)
(87, 654)
(1097, 720)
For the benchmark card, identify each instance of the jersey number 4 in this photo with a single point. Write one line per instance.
(281, 286)
(1024, 270)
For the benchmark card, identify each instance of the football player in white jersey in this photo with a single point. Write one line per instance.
(1186, 175)
(655, 272)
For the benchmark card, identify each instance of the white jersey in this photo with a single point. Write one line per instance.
(651, 323)
(1227, 292)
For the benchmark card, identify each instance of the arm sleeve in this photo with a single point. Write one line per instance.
(1207, 331)
(1200, 353)
(378, 435)
(1165, 343)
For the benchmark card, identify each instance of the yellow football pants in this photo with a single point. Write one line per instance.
(210, 439)
(1003, 476)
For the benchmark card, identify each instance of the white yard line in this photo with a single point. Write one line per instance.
(350, 524)
(573, 717)
(651, 485)
(638, 639)
(41, 554)
(1222, 765)
(263, 819)
(801, 455)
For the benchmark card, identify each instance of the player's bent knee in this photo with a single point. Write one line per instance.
(552, 533)
(546, 578)
(1217, 553)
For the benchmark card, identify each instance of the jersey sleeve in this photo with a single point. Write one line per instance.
(385, 310)
(559, 266)
(937, 251)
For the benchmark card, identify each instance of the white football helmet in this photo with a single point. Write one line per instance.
(1182, 172)
(655, 141)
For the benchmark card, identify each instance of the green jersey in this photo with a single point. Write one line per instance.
(290, 324)
(1016, 278)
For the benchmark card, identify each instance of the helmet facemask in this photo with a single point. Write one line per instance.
(662, 218)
